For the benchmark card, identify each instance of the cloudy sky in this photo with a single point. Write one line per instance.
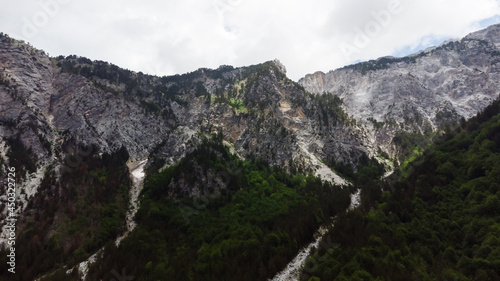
(178, 36)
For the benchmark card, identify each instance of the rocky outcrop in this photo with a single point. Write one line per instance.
(420, 92)
(53, 105)
(54, 110)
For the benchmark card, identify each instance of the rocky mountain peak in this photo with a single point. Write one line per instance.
(280, 66)
(490, 34)
(418, 93)
(56, 111)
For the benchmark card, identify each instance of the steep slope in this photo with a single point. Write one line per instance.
(438, 222)
(244, 223)
(69, 126)
(420, 92)
(47, 101)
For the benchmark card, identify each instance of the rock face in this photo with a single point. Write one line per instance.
(257, 108)
(53, 111)
(46, 106)
(51, 106)
(419, 92)
(56, 111)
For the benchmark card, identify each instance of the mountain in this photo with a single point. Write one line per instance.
(420, 92)
(257, 108)
(440, 221)
(74, 129)
(83, 135)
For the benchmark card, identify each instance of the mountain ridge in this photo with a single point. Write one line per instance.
(420, 92)
(68, 118)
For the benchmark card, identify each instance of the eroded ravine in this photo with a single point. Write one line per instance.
(137, 175)
(294, 268)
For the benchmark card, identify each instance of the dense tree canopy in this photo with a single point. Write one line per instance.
(247, 230)
(440, 221)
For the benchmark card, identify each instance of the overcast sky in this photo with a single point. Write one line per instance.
(174, 36)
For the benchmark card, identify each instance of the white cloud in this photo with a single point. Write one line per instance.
(168, 37)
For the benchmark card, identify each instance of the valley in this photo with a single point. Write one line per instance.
(228, 173)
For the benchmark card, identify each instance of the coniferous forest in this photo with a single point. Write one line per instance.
(247, 231)
(366, 172)
(214, 216)
(437, 220)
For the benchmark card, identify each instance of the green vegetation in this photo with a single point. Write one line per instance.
(417, 151)
(154, 94)
(330, 109)
(24, 160)
(376, 124)
(231, 97)
(263, 69)
(71, 218)
(238, 105)
(369, 170)
(151, 107)
(410, 145)
(439, 222)
(446, 118)
(4, 80)
(460, 45)
(89, 69)
(382, 63)
(382, 153)
(246, 230)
